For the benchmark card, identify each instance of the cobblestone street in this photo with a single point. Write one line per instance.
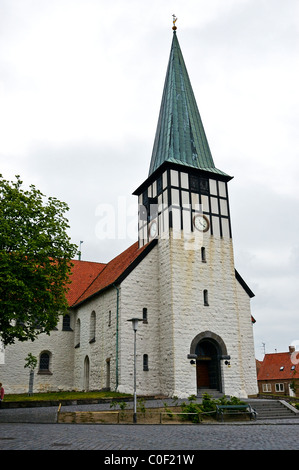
(37, 429)
(23, 436)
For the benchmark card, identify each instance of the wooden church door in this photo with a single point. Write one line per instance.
(202, 374)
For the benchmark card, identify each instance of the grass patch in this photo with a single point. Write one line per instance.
(53, 396)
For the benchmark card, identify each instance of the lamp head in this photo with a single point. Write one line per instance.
(135, 322)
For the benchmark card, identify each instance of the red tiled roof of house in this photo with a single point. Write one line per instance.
(83, 273)
(108, 273)
(278, 366)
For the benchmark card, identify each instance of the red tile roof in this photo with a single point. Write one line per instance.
(83, 273)
(278, 366)
(89, 280)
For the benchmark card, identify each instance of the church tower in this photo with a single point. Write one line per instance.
(205, 324)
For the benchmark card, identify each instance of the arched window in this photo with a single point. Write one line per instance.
(44, 363)
(92, 328)
(77, 333)
(86, 373)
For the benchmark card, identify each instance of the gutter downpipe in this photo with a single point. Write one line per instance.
(116, 352)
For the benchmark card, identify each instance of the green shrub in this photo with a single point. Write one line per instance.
(191, 408)
(207, 406)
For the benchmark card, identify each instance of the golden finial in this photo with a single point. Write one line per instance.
(174, 22)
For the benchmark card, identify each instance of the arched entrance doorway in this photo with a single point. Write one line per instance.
(207, 365)
(208, 349)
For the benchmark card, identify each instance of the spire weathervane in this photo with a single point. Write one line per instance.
(174, 22)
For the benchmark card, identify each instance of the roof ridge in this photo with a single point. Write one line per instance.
(85, 261)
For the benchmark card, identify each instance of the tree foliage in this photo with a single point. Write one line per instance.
(35, 254)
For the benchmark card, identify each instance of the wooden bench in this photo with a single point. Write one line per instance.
(235, 410)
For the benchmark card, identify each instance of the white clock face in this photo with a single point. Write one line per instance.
(153, 230)
(201, 223)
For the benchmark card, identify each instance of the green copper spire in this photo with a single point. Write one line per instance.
(180, 136)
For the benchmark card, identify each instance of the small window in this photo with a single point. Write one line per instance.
(145, 362)
(203, 254)
(77, 333)
(159, 185)
(109, 318)
(282, 367)
(66, 323)
(144, 315)
(205, 298)
(293, 368)
(44, 362)
(92, 327)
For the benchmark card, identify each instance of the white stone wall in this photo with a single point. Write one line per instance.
(247, 342)
(101, 352)
(228, 313)
(15, 378)
(166, 333)
(140, 290)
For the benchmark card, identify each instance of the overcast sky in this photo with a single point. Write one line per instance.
(80, 90)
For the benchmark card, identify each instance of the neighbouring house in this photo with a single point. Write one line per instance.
(278, 374)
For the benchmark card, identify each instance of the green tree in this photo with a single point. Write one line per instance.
(31, 363)
(35, 261)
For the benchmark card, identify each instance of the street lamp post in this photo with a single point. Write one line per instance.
(135, 326)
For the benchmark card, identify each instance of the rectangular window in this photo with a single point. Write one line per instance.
(184, 180)
(159, 185)
(205, 298)
(185, 199)
(225, 228)
(216, 226)
(223, 207)
(204, 186)
(174, 178)
(194, 183)
(214, 205)
(175, 197)
(205, 203)
(267, 388)
(279, 387)
(144, 315)
(213, 187)
(222, 189)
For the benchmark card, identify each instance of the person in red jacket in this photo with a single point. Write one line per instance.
(1, 393)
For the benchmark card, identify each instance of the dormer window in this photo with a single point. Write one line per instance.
(282, 367)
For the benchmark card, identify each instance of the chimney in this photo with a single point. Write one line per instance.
(291, 349)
